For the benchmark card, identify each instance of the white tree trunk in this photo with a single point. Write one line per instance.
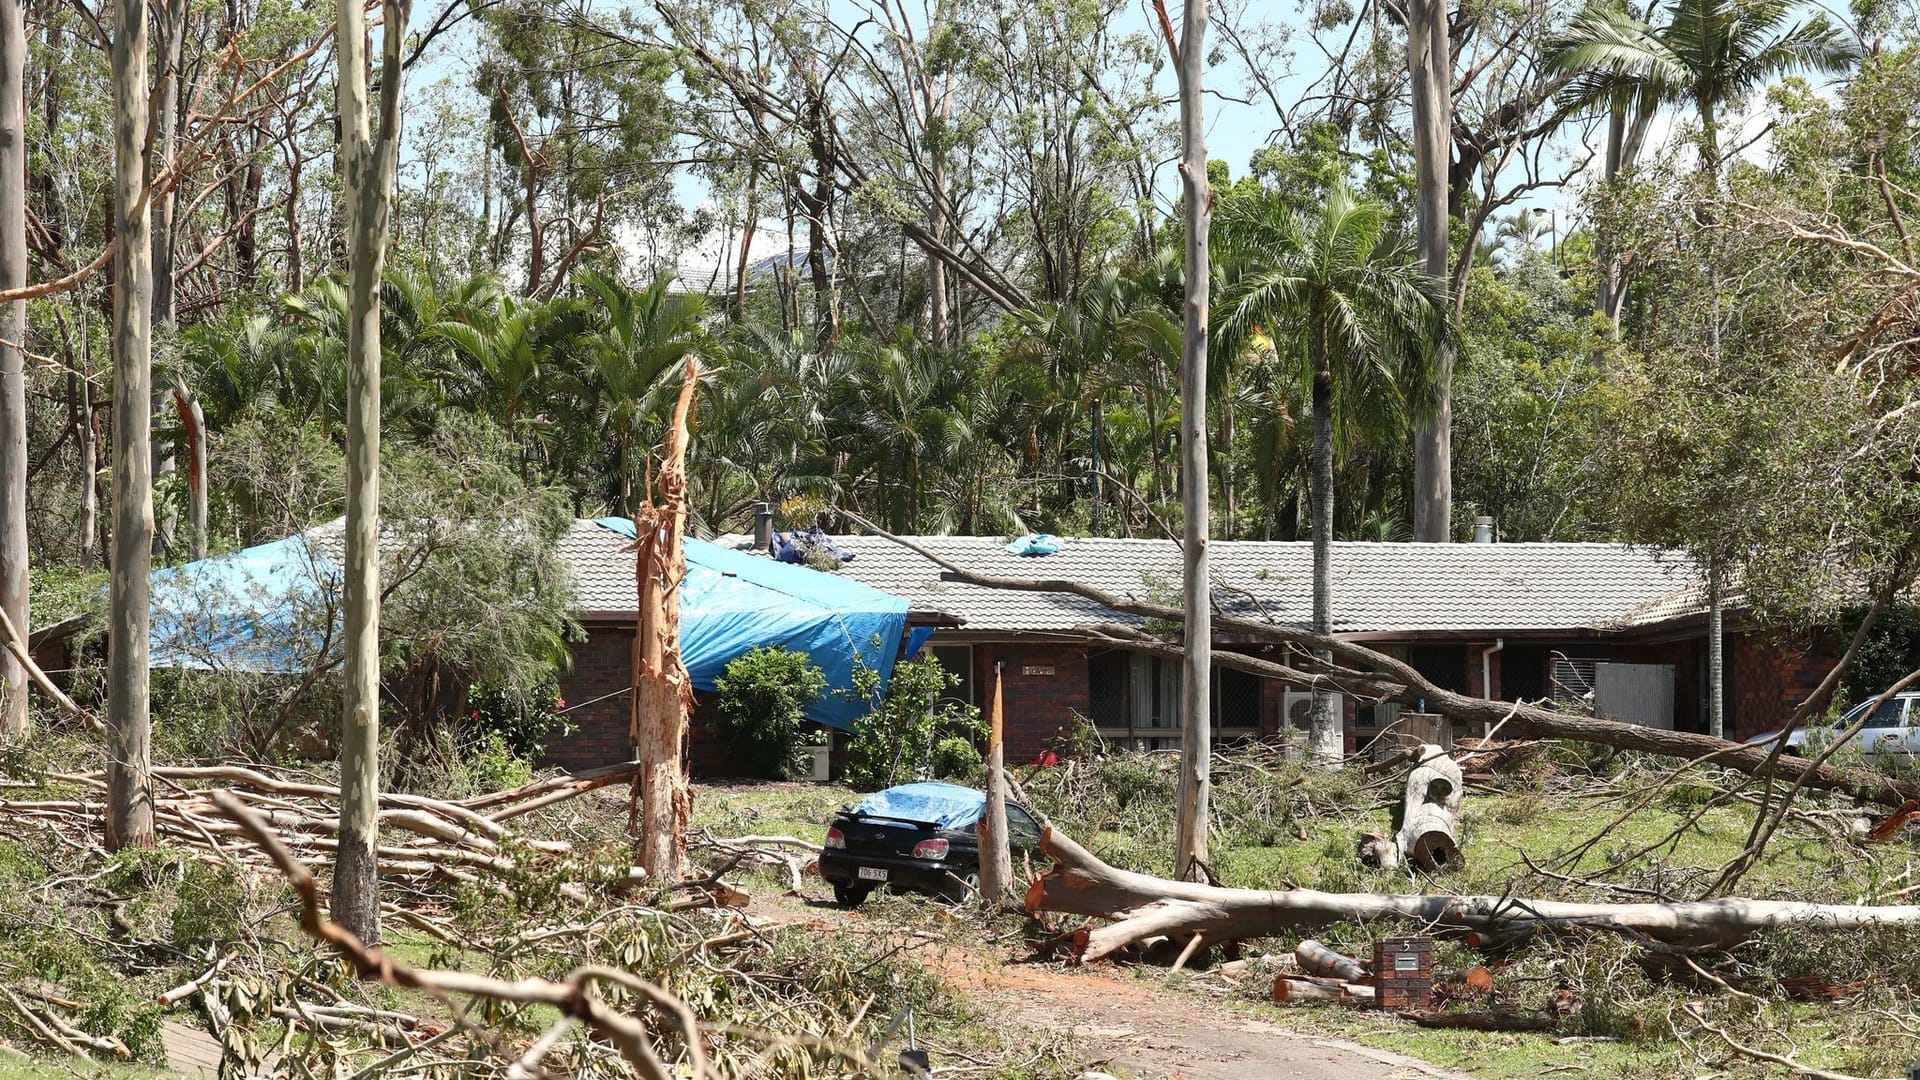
(13, 372)
(129, 725)
(1144, 906)
(1432, 798)
(1196, 728)
(1429, 62)
(1716, 652)
(996, 854)
(368, 165)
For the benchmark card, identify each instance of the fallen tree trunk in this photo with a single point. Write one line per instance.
(1433, 796)
(1079, 883)
(1372, 674)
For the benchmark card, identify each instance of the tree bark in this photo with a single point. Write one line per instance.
(1429, 62)
(1326, 726)
(193, 421)
(13, 371)
(1196, 699)
(368, 165)
(661, 691)
(996, 855)
(1078, 883)
(170, 26)
(129, 725)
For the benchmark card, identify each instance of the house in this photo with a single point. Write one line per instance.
(1621, 626)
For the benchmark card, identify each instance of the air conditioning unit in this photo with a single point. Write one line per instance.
(1295, 706)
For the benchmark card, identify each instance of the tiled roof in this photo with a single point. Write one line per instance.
(1377, 588)
(603, 581)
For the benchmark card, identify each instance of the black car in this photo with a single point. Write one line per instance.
(917, 837)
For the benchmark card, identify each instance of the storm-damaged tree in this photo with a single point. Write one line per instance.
(367, 162)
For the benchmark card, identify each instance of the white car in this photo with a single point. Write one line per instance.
(1893, 729)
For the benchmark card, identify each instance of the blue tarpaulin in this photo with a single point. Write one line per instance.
(732, 602)
(265, 609)
(948, 806)
(261, 609)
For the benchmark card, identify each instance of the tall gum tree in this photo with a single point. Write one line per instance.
(13, 375)
(1196, 734)
(129, 724)
(368, 164)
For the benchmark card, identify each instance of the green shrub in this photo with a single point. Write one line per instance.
(912, 734)
(764, 696)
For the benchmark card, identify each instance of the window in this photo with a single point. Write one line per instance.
(958, 660)
(1022, 831)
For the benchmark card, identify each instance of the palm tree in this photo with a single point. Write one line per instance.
(1711, 54)
(1335, 289)
(637, 351)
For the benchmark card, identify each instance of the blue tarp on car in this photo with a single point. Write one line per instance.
(732, 602)
(948, 806)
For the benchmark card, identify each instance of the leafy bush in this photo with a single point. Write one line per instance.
(911, 734)
(763, 700)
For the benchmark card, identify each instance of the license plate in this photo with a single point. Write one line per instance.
(871, 873)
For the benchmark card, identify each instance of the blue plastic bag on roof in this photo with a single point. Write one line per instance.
(794, 547)
(947, 806)
(1035, 544)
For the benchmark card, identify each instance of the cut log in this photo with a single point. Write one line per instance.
(1379, 851)
(1079, 883)
(1434, 789)
(1317, 959)
(1294, 990)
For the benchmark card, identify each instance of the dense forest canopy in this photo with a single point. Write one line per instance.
(929, 255)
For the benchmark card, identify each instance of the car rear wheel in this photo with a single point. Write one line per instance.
(851, 896)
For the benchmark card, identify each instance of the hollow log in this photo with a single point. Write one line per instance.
(1143, 906)
(1434, 789)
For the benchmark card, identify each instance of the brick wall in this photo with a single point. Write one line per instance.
(603, 666)
(1038, 710)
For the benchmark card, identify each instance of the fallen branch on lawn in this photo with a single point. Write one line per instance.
(573, 998)
(1144, 906)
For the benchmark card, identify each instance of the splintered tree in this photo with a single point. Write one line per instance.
(13, 374)
(368, 166)
(129, 725)
(1196, 735)
(663, 801)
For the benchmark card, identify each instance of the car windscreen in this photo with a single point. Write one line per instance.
(943, 805)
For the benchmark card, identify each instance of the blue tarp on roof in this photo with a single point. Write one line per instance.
(732, 602)
(259, 609)
(948, 806)
(265, 609)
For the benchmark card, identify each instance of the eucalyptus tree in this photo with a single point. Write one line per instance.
(368, 159)
(13, 368)
(129, 720)
(1335, 289)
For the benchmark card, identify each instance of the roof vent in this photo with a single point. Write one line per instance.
(762, 526)
(1483, 530)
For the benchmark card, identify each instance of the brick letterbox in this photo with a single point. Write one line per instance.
(1403, 973)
